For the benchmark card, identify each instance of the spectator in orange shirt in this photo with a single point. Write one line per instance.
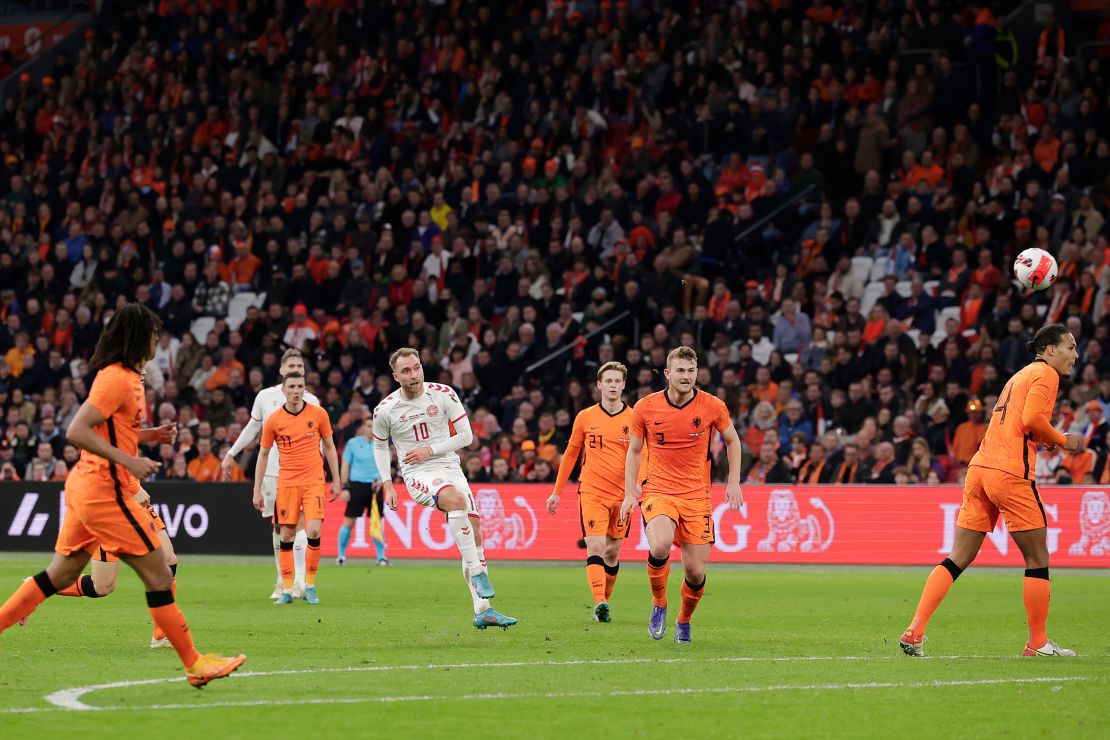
(240, 271)
(968, 435)
(734, 176)
(211, 128)
(205, 466)
(221, 376)
(927, 170)
(1047, 149)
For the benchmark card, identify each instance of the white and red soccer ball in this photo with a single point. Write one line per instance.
(1036, 269)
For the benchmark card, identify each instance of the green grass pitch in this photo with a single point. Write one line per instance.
(784, 652)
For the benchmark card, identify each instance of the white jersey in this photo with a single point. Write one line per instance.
(267, 402)
(426, 419)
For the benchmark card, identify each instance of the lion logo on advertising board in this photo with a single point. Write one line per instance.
(501, 530)
(789, 531)
(1094, 526)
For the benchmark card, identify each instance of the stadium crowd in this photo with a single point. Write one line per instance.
(827, 215)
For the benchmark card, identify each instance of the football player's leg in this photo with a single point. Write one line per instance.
(618, 530)
(62, 571)
(71, 554)
(964, 549)
(300, 555)
(612, 565)
(594, 518)
(452, 503)
(313, 528)
(480, 604)
(269, 501)
(100, 583)
(660, 534)
(1037, 589)
(379, 542)
(158, 579)
(694, 558)
(977, 516)
(158, 638)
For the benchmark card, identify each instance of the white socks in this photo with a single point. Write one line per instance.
(300, 545)
(277, 555)
(480, 604)
(300, 550)
(463, 532)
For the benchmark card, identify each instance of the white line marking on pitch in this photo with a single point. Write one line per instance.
(536, 695)
(71, 698)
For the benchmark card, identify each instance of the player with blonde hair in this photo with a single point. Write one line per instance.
(427, 424)
(677, 426)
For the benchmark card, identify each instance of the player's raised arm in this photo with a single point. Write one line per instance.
(567, 463)
(82, 434)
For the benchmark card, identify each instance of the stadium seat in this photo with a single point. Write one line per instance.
(237, 309)
(879, 269)
(903, 288)
(871, 293)
(931, 287)
(201, 326)
(861, 268)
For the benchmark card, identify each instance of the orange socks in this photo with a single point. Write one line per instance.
(286, 559)
(172, 622)
(610, 579)
(658, 570)
(691, 595)
(158, 633)
(26, 598)
(83, 586)
(936, 588)
(595, 574)
(312, 561)
(1037, 592)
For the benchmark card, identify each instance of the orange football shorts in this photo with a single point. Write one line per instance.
(693, 517)
(988, 491)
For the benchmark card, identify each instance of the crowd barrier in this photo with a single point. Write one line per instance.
(874, 525)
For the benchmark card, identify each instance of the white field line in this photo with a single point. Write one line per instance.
(70, 699)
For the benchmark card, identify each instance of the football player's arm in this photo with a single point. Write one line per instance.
(165, 434)
(332, 457)
(463, 436)
(382, 459)
(259, 473)
(246, 436)
(1035, 415)
(735, 453)
(631, 468)
(82, 434)
(566, 464)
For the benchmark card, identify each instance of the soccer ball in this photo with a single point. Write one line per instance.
(1035, 269)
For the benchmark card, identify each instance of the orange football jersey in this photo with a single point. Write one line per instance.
(1009, 445)
(118, 394)
(677, 439)
(604, 439)
(298, 439)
